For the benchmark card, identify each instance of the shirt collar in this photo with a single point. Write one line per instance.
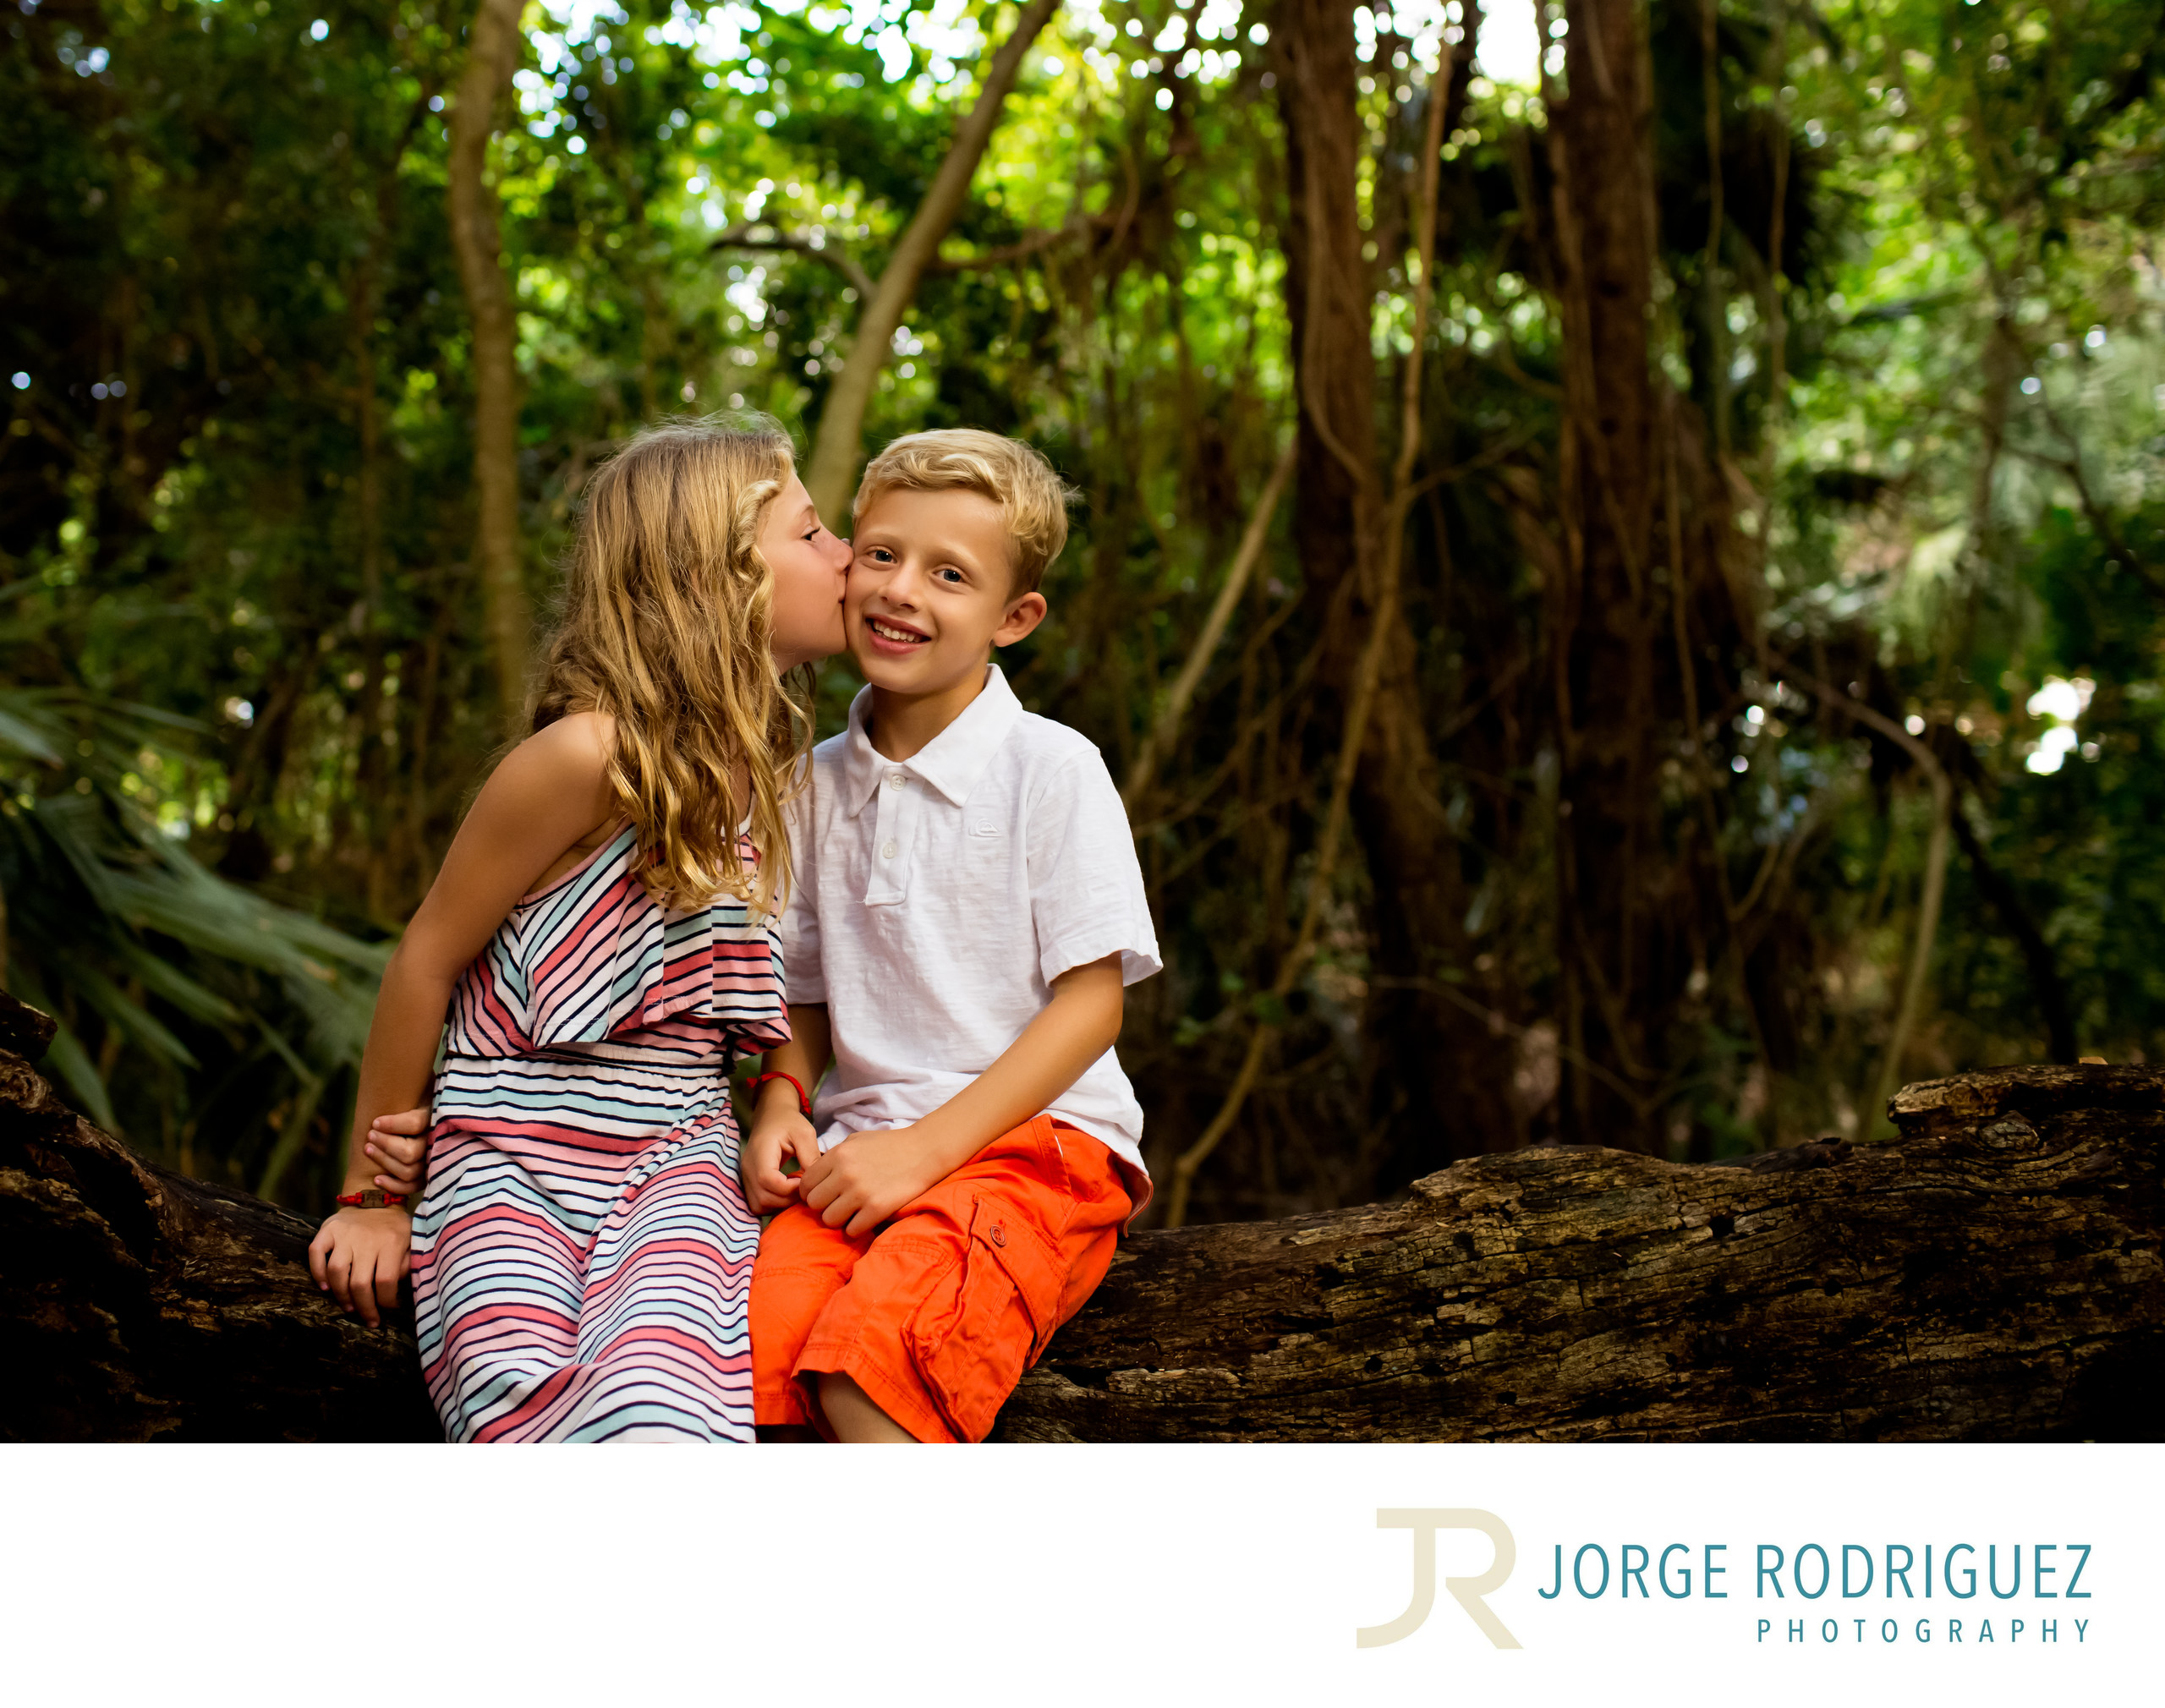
(953, 760)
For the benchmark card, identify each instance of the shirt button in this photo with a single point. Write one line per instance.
(886, 850)
(894, 779)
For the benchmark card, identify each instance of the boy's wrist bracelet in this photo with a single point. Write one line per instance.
(804, 1104)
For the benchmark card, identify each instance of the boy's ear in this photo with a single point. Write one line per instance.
(1023, 616)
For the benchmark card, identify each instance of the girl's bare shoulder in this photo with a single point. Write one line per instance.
(552, 789)
(572, 752)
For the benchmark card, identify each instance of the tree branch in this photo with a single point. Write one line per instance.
(1035, 243)
(1214, 629)
(835, 450)
(1935, 886)
(840, 259)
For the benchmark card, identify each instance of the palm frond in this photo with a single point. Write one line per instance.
(152, 964)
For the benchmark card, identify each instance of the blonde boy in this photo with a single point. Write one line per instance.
(967, 914)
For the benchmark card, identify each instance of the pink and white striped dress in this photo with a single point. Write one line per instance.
(583, 1250)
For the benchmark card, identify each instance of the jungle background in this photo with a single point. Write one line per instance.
(1620, 564)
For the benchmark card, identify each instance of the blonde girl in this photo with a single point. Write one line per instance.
(601, 938)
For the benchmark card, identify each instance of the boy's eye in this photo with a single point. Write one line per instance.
(953, 576)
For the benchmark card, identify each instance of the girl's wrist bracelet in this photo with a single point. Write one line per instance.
(375, 1198)
(804, 1104)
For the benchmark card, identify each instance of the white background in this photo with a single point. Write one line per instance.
(1054, 1576)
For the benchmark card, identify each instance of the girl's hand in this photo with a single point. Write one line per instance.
(399, 1145)
(775, 1140)
(360, 1256)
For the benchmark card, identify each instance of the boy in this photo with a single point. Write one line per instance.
(967, 913)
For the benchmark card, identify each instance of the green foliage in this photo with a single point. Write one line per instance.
(236, 489)
(234, 1015)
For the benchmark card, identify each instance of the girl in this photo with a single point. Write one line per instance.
(600, 934)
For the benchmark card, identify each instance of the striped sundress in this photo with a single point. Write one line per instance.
(583, 1250)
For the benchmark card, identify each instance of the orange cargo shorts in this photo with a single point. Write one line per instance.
(936, 1313)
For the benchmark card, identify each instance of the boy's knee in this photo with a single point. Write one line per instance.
(854, 1415)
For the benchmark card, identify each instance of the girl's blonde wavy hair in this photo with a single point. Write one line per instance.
(668, 610)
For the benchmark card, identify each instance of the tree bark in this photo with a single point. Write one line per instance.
(837, 448)
(494, 47)
(1424, 1058)
(1994, 1275)
(137, 1304)
(1603, 610)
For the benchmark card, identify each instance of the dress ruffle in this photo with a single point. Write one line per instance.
(593, 959)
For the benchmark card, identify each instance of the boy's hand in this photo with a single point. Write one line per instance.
(775, 1139)
(867, 1177)
(360, 1256)
(399, 1145)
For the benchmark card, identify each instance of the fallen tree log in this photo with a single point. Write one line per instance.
(136, 1304)
(1996, 1274)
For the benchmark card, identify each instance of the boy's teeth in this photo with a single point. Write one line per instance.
(893, 634)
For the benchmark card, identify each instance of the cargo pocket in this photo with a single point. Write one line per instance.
(973, 1343)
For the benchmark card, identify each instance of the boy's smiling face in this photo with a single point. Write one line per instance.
(931, 589)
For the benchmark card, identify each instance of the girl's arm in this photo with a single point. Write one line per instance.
(779, 1128)
(546, 805)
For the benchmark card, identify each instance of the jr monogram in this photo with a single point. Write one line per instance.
(1424, 1522)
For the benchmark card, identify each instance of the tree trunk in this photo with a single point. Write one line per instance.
(1603, 613)
(1996, 1274)
(493, 50)
(832, 470)
(138, 1304)
(1993, 1275)
(1425, 1058)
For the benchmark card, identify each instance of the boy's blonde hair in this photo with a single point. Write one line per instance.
(667, 612)
(1033, 500)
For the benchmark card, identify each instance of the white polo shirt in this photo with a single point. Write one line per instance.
(937, 897)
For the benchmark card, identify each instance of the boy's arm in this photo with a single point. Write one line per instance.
(858, 1185)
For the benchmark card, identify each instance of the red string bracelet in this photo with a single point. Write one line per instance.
(752, 1089)
(375, 1198)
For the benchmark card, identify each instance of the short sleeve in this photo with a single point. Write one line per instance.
(1086, 886)
(803, 978)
